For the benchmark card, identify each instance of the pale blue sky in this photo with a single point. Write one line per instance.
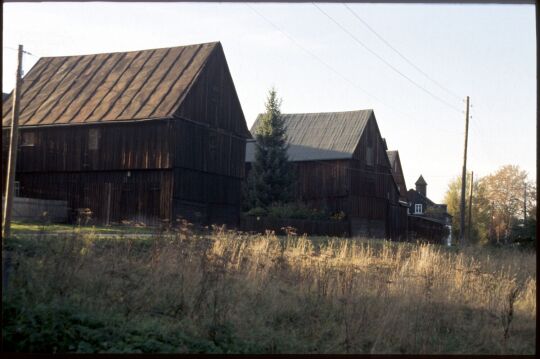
(487, 52)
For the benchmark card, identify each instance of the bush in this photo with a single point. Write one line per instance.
(289, 210)
(295, 211)
(62, 327)
(257, 212)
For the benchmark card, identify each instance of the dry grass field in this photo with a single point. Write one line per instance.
(229, 292)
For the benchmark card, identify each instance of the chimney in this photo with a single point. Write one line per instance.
(421, 186)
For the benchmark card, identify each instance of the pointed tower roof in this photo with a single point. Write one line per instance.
(421, 181)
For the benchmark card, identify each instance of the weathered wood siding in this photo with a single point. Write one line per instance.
(208, 172)
(213, 101)
(183, 156)
(127, 146)
(427, 230)
(363, 187)
(209, 148)
(132, 160)
(135, 195)
(374, 193)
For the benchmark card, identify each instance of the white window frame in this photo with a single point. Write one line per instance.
(418, 208)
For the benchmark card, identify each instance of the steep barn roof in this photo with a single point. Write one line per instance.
(392, 156)
(135, 85)
(397, 171)
(319, 136)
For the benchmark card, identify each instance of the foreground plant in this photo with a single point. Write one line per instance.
(230, 292)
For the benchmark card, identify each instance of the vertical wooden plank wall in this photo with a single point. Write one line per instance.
(209, 148)
(69, 163)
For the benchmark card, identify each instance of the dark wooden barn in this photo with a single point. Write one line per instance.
(341, 164)
(144, 135)
(397, 172)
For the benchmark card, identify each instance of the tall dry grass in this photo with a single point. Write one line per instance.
(294, 294)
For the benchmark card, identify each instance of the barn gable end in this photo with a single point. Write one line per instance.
(129, 135)
(341, 165)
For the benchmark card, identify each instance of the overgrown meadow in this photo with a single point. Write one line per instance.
(228, 292)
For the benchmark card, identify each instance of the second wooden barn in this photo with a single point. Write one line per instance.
(144, 135)
(341, 164)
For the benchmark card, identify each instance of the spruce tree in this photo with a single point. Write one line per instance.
(270, 180)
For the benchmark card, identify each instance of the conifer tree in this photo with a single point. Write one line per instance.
(270, 180)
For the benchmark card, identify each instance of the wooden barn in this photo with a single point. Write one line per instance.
(397, 172)
(143, 135)
(341, 164)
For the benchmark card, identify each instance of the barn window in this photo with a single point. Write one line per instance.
(369, 156)
(418, 208)
(93, 139)
(28, 139)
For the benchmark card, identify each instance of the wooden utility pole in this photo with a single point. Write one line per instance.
(470, 209)
(464, 179)
(12, 156)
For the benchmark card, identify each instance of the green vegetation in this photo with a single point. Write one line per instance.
(228, 292)
(270, 179)
(19, 228)
(289, 210)
(504, 207)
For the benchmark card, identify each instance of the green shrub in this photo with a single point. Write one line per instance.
(295, 211)
(257, 212)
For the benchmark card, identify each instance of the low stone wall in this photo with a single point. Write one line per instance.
(33, 209)
(301, 226)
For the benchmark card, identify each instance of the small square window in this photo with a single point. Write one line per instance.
(28, 139)
(418, 208)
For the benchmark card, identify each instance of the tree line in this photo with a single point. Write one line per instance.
(503, 207)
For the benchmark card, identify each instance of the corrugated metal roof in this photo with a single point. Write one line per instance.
(319, 136)
(121, 86)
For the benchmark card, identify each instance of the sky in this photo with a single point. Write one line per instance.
(324, 57)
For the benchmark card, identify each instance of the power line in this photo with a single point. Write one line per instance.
(319, 59)
(325, 64)
(386, 62)
(14, 49)
(400, 54)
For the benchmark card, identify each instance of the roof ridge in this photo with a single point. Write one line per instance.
(321, 113)
(141, 50)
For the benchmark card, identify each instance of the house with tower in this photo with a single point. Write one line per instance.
(426, 218)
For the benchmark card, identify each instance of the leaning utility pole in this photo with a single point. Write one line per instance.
(464, 179)
(12, 156)
(470, 209)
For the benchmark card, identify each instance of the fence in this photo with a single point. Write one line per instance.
(301, 226)
(33, 209)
